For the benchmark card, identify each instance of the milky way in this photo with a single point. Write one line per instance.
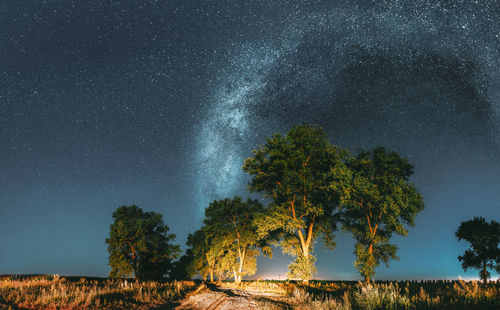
(410, 77)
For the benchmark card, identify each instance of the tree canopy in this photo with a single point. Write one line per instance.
(207, 251)
(377, 200)
(294, 171)
(232, 222)
(227, 245)
(139, 245)
(484, 238)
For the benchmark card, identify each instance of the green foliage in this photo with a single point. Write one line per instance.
(484, 238)
(295, 172)
(207, 251)
(231, 222)
(139, 245)
(302, 268)
(377, 200)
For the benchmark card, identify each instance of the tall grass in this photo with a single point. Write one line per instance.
(58, 292)
(54, 292)
(390, 296)
(275, 287)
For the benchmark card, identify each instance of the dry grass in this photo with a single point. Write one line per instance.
(54, 292)
(273, 287)
(372, 296)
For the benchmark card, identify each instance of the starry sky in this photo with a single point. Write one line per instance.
(157, 103)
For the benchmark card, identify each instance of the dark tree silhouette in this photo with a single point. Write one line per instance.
(180, 270)
(484, 238)
(139, 245)
(377, 200)
(295, 172)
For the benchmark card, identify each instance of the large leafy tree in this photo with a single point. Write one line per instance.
(377, 200)
(232, 222)
(139, 244)
(294, 171)
(484, 238)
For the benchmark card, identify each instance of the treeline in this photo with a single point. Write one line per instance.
(312, 188)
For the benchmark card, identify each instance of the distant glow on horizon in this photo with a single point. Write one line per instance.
(272, 276)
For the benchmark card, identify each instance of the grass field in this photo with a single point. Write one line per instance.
(55, 292)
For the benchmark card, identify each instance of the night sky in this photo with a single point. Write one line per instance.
(157, 103)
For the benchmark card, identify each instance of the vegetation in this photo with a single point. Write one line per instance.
(232, 222)
(403, 295)
(54, 292)
(227, 245)
(207, 254)
(294, 171)
(180, 270)
(484, 238)
(345, 295)
(139, 245)
(377, 200)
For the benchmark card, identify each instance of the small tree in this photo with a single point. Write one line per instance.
(295, 172)
(207, 252)
(232, 222)
(377, 200)
(484, 238)
(139, 245)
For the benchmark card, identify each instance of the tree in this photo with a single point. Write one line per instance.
(377, 200)
(295, 172)
(225, 267)
(180, 269)
(232, 222)
(207, 250)
(484, 238)
(139, 244)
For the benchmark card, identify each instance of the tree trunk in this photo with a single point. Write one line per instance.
(305, 244)
(137, 273)
(306, 255)
(370, 253)
(305, 252)
(134, 263)
(211, 276)
(240, 267)
(485, 273)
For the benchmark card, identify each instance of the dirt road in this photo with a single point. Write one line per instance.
(215, 298)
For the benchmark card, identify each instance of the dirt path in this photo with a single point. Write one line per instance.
(215, 298)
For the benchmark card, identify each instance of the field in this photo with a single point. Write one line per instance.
(55, 292)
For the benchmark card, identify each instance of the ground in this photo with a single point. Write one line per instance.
(218, 298)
